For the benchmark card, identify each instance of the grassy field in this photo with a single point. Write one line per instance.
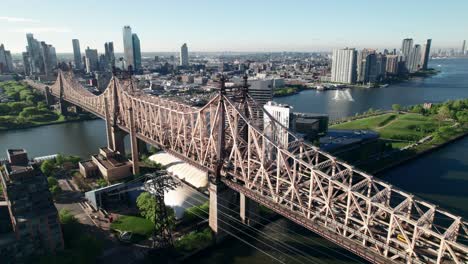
(136, 225)
(392, 126)
(399, 130)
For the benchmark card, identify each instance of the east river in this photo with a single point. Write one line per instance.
(440, 177)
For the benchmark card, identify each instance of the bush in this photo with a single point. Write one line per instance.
(194, 240)
(194, 213)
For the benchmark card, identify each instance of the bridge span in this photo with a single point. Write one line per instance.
(365, 215)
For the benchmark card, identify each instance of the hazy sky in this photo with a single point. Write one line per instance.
(234, 25)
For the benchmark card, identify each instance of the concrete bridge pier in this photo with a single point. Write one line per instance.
(220, 198)
(248, 210)
(63, 107)
(49, 98)
(117, 140)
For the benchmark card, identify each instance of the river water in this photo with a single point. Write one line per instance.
(441, 176)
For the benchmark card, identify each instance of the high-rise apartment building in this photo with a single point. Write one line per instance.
(49, 58)
(426, 52)
(92, 60)
(414, 60)
(406, 47)
(136, 52)
(6, 62)
(77, 54)
(42, 58)
(344, 65)
(109, 55)
(364, 65)
(26, 63)
(184, 57)
(392, 64)
(128, 47)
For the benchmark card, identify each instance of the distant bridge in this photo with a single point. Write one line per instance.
(367, 216)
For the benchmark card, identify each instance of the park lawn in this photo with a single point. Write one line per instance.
(135, 224)
(408, 127)
(372, 123)
(411, 127)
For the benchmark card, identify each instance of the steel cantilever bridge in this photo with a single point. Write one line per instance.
(364, 215)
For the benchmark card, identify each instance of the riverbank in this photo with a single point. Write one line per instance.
(22, 107)
(420, 154)
(296, 89)
(61, 120)
(406, 136)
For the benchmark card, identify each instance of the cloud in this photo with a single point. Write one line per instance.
(42, 30)
(18, 19)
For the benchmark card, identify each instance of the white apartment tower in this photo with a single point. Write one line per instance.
(344, 65)
(128, 47)
(184, 58)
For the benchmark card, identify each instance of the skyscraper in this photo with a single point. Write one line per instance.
(414, 60)
(425, 56)
(364, 64)
(392, 64)
(35, 58)
(109, 55)
(184, 59)
(406, 47)
(77, 54)
(42, 57)
(344, 65)
(26, 64)
(136, 52)
(128, 47)
(92, 60)
(6, 62)
(463, 50)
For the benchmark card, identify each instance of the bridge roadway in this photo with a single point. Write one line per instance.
(365, 215)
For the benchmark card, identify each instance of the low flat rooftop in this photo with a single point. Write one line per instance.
(112, 162)
(88, 164)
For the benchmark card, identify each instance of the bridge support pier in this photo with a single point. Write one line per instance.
(220, 198)
(117, 140)
(63, 107)
(48, 96)
(248, 210)
(134, 144)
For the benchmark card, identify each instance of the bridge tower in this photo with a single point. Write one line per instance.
(248, 209)
(62, 104)
(115, 135)
(220, 195)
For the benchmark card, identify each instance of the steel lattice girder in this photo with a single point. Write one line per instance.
(300, 181)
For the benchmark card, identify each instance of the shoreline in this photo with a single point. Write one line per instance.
(361, 86)
(48, 124)
(401, 162)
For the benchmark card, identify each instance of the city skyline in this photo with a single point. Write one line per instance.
(258, 26)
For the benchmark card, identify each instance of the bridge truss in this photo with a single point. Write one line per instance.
(365, 215)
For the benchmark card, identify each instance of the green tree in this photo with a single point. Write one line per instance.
(443, 113)
(52, 181)
(147, 205)
(30, 111)
(55, 190)
(4, 109)
(48, 167)
(396, 108)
